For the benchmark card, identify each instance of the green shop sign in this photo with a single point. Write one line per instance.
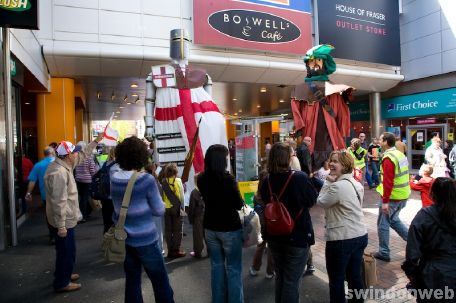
(359, 111)
(19, 14)
(422, 104)
(15, 5)
(13, 68)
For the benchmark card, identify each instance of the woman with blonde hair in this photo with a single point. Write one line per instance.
(346, 234)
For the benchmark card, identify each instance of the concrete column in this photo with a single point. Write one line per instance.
(56, 113)
(377, 125)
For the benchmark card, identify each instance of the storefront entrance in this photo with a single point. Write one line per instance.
(417, 137)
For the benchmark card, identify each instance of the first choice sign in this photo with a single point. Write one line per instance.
(19, 14)
(254, 26)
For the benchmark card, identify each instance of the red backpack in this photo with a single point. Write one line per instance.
(277, 218)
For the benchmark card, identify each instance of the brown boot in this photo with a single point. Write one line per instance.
(176, 254)
(70, 287)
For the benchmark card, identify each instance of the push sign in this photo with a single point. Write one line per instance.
(19, 14)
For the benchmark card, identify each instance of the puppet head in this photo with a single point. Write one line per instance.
(319, 63)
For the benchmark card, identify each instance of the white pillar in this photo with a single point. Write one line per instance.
(375, 115)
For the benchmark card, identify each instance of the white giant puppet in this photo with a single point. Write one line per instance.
(178, 97)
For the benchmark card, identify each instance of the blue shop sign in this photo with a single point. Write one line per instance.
(422, 104)
(359, 111)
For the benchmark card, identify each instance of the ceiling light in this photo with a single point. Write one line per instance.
(121, 107)
(234, 99)
(134, 95)
(116, 116)
(113, 96)
(117, 112)
(281, 100)
(240, 110)
(27, 103)
(235, 114)
(284, 115)
(258, 106)
(263, 90)
(128, 103)
(98, 95)
(134, 85)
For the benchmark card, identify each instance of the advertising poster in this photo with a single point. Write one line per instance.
(248, 190)
(419, 137)
(361, 30)
(246, 158)
(269, 25)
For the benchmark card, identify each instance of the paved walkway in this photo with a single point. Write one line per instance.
(26, 270)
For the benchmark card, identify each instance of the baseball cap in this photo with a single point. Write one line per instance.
(66, 147)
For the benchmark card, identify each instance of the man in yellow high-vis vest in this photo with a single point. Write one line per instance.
(394, 189)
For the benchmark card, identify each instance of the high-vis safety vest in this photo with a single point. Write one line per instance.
(359, 163)
(401, 186)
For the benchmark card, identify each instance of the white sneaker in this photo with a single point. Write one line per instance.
(270, 276)
(253, 272)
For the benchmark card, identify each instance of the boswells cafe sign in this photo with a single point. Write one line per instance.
(19, 14)
(270, 25)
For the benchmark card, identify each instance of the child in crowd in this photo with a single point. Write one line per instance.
(257, 259)
(323, 172)
(424, 185)
(195, 217)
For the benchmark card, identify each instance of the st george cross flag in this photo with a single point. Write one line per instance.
(111, 135)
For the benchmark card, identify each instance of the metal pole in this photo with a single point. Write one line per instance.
(375, 115)
(9, 133)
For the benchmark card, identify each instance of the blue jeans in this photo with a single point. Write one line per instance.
(344, 260)
(375, 168)
(65, 249)
(225, 252)
(289, 262)
(150, 257)
(384, 222)
(367, 175)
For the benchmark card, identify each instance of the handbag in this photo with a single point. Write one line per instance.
(369, 270)
(251, 227)
(113, 245)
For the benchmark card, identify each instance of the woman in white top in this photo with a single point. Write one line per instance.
(436, 158)
(346, 234)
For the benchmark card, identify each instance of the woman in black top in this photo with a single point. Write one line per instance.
(431, 245)
(289, 252)
(223, 230)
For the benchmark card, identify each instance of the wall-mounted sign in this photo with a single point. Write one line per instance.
(254, 26)
(426, 121)
(270, 25)
(422, 104)
(359, 111)
(13, 70)
(19, 14)
(361, 30)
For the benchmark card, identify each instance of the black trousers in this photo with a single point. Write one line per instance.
(107, 209)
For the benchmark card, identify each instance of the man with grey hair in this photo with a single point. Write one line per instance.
(62, 209)
(37, 175)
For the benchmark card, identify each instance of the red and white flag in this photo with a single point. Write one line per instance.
(111, 135)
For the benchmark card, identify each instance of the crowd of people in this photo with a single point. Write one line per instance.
(157, 211)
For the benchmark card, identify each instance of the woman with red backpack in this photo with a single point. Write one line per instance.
(287, 195)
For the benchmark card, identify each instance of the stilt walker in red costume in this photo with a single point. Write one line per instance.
(320, 108)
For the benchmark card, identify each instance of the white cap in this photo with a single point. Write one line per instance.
(66, 147)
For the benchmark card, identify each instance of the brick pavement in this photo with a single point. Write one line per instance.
(390, 275)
